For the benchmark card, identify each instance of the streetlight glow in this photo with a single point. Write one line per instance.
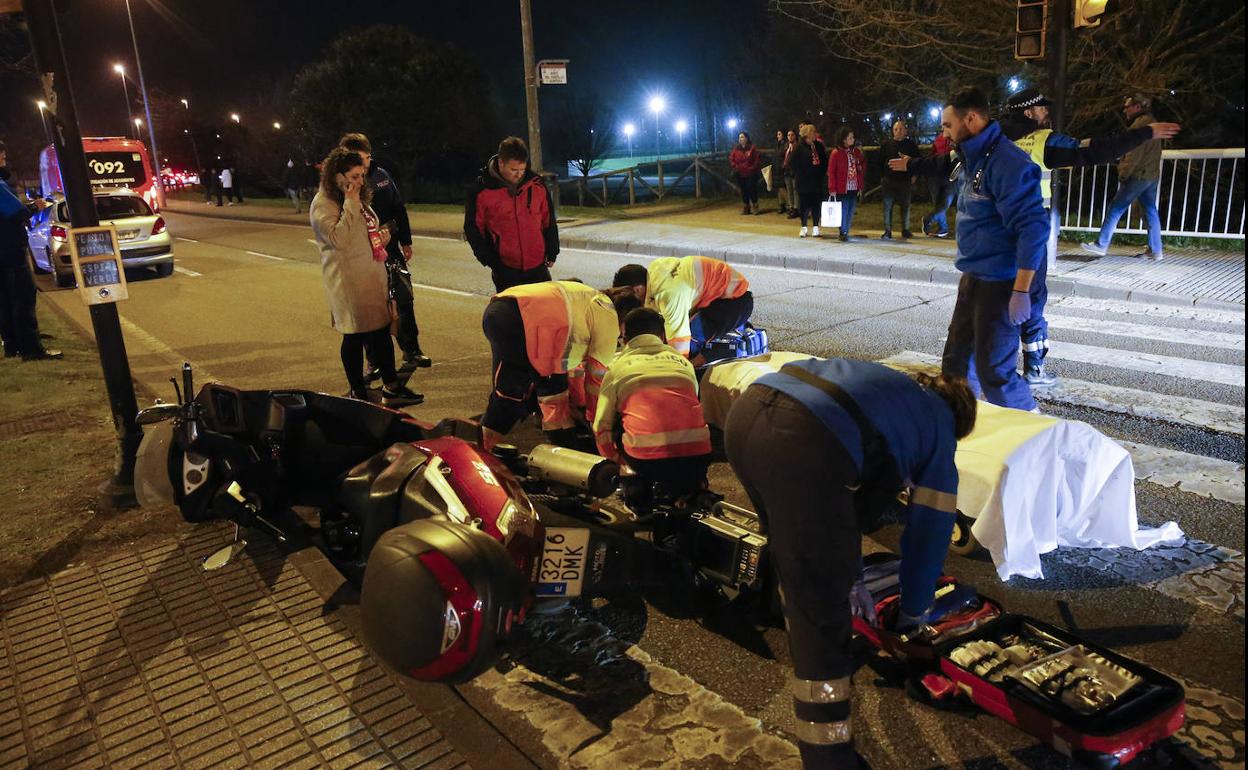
(185, 103)
(1014, 84)
(234, 117)
(682, 126)
(888, 116)
(657, 104)
(629, 130)
(42, 105)
(119, 69)
(732, 124)
(138, 122)
(934, 112)
(277, 126)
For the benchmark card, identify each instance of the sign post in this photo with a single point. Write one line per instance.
(45, 41)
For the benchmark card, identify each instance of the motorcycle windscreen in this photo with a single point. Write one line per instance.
(152, 484)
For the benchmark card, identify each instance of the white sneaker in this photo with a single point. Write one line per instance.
(815, 231)
(802, 234)
(1095, 248)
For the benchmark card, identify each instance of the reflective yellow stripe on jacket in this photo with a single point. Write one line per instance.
(1033, 144)
(655, 392)
(679, 286)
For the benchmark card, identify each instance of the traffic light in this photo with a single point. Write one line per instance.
(1033, 20)
(1088, 12)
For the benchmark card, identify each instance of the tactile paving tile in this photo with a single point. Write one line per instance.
(148, 661)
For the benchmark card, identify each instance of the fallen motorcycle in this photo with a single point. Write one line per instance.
(450, 545)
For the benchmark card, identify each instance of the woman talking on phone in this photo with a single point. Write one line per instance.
(353, 268)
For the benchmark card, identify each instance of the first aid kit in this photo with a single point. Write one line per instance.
(1100, 708)
(739, 343)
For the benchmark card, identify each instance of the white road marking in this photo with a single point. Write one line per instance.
(1158, 311)
(437, 238)
(266, 256)
(456, 292)
(155, 345)
(1209, 339)
(1197, 474)
(188, 240)
(188, 273)
(1150, 363)
(1206, 415)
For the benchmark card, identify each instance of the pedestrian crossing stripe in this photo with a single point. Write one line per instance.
(1170, 334)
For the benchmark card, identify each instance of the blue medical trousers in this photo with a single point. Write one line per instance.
(1034, 332)
(980, 330)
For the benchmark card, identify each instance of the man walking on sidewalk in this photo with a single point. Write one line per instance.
(509, 220)
(1139, 174)
(1027, 125)
(941, 190)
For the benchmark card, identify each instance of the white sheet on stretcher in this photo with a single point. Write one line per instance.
(1062, 481)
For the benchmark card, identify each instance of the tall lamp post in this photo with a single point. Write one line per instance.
(657, 105)
(147, 108)
(191, 135)
(120, 69)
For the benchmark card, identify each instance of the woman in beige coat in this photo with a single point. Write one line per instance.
(353, 254)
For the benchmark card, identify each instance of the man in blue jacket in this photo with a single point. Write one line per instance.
(19, 327)
(1002, 234)
(823, 447)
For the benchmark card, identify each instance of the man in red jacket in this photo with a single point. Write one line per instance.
(746, 162)
(509, 220)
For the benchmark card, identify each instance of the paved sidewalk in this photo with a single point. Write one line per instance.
(148, 661)
(1201, 277)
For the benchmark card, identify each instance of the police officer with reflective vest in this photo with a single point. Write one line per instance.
(1026, 123)
(537, 333)
(649, 416)
(823, 447)
(699, 298)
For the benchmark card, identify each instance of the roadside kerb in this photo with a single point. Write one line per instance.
(903, 267)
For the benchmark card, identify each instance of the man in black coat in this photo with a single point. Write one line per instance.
(19, 328)
(895, 185)
(392, 212)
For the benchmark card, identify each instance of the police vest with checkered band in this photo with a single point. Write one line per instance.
(1033, 144)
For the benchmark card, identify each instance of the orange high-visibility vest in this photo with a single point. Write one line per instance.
(654, 390)
(566, 323)
(679, 286)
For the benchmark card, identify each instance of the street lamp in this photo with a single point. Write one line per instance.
(732, 124)
(629, 130)
(43, 118)
(657, 105)
(681, 127)
(147, 107)
(125, 90)
(234, 117)
(934, 112)
(1014, 84)
(185, 104)
(278, 126)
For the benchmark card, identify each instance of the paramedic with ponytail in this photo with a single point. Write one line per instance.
(823, 447)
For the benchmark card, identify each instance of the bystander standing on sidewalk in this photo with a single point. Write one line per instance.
(1139, 174)
(941, 191)
(809, 161)
(19, 326)
(208, 180)
(227, 186)
(777, 172)
(290, 183)
(786, 164)
(846, 175)
(746, 161)
(509, 220)
(897, 185)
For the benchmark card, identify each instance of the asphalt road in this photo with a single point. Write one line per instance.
(647, 680)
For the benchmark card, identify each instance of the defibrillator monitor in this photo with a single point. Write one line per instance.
(97, 264)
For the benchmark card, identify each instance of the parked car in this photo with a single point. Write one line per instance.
(142, 235)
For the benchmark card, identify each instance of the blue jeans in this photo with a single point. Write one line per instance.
(896, 193)
(1129, 191)
(849, 202)
(942, 192)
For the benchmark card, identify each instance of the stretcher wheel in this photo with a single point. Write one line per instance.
(963, 543)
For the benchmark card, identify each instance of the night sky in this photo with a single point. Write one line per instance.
(233, 55)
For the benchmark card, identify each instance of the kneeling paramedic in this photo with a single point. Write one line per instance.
(699, 298)
(653, 391)
(537, 332)
(823, 447)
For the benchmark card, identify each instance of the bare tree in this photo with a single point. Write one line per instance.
(584, 132)
(1188, 53)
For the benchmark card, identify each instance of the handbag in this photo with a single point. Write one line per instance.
(830, 213)
(767, 174)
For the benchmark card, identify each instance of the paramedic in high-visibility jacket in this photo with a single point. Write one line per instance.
(649, 416)
(537, 333)
(822, 448)
(699, 298)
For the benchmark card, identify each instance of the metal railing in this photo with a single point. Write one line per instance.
(625, 185)
(1201, 194)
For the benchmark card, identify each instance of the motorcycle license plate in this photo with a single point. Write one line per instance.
(564, 558)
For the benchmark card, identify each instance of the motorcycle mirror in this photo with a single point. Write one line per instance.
(157, 413)
(223, 556)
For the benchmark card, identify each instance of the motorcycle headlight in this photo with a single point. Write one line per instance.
(515, 519)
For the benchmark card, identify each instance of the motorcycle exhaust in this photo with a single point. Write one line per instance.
(586, 472)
